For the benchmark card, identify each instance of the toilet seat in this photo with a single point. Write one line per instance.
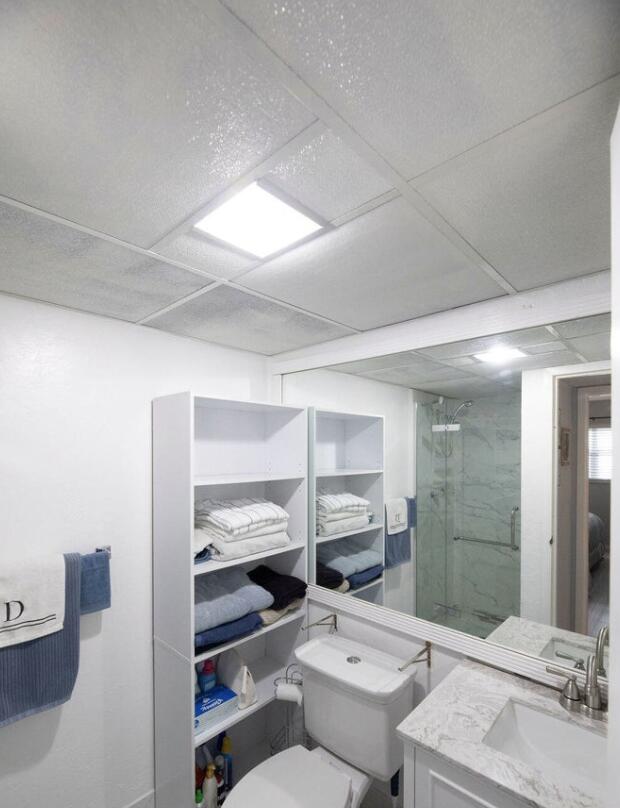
(295, 778)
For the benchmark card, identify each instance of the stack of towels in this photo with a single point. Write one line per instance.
(236, 528)
(231, 603)
(339, 513)
(357, 564)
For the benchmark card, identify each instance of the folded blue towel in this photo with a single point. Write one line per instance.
(94, 582)
(348, 556)
(364, 577)
(227, 632)
(226, 595)
(40, 674)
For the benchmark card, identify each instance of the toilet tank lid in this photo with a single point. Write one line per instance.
(356, 667)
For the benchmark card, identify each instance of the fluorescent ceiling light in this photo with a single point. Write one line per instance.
(257, 222)
(499, 355)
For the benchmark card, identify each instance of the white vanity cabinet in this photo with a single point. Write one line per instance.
(432, 782)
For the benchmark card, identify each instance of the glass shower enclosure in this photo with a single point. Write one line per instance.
(468, 481)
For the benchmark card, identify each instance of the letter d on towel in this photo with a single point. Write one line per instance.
(14, 609)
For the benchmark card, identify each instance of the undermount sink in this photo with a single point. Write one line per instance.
(561, 749)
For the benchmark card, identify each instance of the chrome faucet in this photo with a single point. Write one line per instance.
(591, 702)
(602, 640)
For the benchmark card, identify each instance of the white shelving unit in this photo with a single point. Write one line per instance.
(214, 448)
(346, 454)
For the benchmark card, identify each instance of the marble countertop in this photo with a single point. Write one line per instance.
(530, 637)
(454, 718)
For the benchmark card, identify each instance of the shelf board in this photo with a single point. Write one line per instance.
(298, 614)
(264, 671)
(211, 566)
(346, 472)
(335, 536)
(239, 479)
(369, 585)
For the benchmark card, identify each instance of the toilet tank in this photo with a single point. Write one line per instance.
(354, 698)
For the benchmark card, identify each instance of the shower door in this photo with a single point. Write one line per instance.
(468, 492)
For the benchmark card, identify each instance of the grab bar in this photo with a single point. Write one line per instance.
(492, 542)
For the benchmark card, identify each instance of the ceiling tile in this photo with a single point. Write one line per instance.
(48, 261)
(583, 327)
(469, 387)
(384, 267)
(423, 81)
(127, 117)
(412, 377)
(535, 201)
(200, 253)
(516, 366)
(230, 317)
(595, 347)
(327, 177)
(376, 363)
(546, 347)
(511, 339)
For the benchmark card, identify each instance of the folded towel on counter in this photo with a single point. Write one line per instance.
(32, 594)
(343, 525)
(348, 557)
(327, 577)
(226, 551)
(396, 516)
(95, 592)
(364, 577)
(40, 674)
(283, 588)
(227, 632)
(332, 503)
(226, 595)
(344, 587)
(270, 616)
(237, 517)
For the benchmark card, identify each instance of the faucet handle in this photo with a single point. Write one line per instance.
(592, 692)
(571, 695)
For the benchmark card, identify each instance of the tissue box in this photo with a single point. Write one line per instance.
(217, 705)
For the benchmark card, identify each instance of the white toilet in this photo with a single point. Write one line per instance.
(354, 697)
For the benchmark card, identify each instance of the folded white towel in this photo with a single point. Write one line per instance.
(332, 503)
(32, 599)
(226, 550)
(212, 532)
(238, 516)
(327, 519)
(396, 515)
(343, 525)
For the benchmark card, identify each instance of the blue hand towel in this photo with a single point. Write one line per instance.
(94, 582)
(364, 577)
(227, 632)
(412, 506)
(226, 595)
(40, 674)
(398, 546)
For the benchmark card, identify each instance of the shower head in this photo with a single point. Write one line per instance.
(464, 405)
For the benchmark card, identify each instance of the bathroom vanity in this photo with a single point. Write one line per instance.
(487, 739)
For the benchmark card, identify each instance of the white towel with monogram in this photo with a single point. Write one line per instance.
(32, 599)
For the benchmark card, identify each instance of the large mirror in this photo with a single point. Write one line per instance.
(497, 451)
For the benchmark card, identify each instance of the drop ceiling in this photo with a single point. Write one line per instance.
(452, 370)
(459, 151)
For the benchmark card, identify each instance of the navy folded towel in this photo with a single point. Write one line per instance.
(94, 582)
(227, 631)
(40, 674)
(365, 576)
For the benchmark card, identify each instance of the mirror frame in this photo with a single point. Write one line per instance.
(568, 300)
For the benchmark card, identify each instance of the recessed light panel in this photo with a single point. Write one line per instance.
(257, 222)
(499, 355)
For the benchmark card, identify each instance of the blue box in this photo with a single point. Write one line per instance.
(217, 705)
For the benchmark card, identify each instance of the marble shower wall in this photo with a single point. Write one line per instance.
(467, 484)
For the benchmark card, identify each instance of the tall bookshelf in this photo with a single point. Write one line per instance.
(214, 448)
(346, 453)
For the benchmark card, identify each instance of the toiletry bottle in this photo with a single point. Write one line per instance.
(198, 799)
(207, 678)
(228, 763)
(219, 778)
(210, 788)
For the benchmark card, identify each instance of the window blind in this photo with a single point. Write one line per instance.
(599, 453)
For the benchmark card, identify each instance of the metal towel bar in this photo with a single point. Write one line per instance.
(513, 534)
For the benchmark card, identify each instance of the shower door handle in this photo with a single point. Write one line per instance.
(513, 527)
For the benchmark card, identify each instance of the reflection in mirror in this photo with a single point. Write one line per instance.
(510, 461)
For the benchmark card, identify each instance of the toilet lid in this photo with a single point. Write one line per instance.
(294, 778)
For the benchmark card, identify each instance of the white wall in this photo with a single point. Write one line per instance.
(340, 391)
(613, 751)
(75, 471)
